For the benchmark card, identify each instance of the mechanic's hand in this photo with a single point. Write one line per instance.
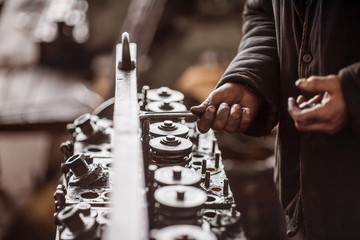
(326, 112)
(230, 107)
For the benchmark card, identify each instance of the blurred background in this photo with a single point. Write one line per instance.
(56, 63)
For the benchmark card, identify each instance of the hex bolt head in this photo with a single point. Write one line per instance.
(78, 165)
(84, 122)
(84, 208)
(70, 216)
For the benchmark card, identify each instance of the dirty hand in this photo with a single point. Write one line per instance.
(326, 112)
(230, 107)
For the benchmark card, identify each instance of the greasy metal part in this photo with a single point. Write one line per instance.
(207, 179)
(83, 174)
(144, 101)
(126, 63)
(130, 199)
(170, 150)
(164, 94)
(168, 196)
(168, 127)
(166, 115)
(177, 175)
(128, 169)
(166, 106)
(90, 129)
(217, 160)
(226, 187)
(67, 148)
(184, 232)
(178, 205)
(78, 227)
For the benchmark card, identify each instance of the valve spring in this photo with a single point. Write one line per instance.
(162, 160)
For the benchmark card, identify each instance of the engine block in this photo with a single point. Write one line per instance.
(137, 168)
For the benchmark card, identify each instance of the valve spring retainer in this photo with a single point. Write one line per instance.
(179, 205)
(170, 151)
(168, 127)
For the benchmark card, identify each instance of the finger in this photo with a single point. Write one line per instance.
(200, 109)
(292, 107)
(300, 99)
(311, 103)
(234, 119)
(221, 118)
(316, 99)
(329, 83)
(206, 119)
(246, 119)
(317, 113)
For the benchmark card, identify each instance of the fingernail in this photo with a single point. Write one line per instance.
(224, 104)
(211, 109)
(300, 82)
(246, 111)
(236, 107)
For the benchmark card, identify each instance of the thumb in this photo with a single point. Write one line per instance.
(327, 83)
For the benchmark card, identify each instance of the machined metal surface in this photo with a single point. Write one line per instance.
(168, 127)
(177, 175)
(142, 174)
(184, 232)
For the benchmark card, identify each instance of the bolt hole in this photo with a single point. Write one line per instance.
(109, 149)
(198, 155)
(197, 163)
(108, 165)
(210, 214)
(107, 194)
(216, 189)
(89, 195)
(94, 149)
(210, 199)
(211, 169)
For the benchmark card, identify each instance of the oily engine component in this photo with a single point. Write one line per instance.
(180, 177)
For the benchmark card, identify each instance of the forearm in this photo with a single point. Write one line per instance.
(256, 64)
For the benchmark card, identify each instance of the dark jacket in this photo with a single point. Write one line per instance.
(318, 174)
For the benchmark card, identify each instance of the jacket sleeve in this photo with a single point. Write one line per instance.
(350, 83)
(256, 64)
